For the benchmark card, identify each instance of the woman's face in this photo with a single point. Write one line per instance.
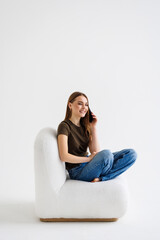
(79, 106)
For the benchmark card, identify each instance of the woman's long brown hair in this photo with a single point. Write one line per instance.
(85, 120)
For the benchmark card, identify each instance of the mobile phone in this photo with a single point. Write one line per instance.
(90, 116)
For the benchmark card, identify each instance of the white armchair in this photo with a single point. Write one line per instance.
(59, 198)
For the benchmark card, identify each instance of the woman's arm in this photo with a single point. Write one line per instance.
(93, 142)
(67, 157)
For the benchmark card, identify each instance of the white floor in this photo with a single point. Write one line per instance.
(18, 221)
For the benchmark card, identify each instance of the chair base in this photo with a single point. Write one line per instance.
(78, 219)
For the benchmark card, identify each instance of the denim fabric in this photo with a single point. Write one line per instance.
(105, 165)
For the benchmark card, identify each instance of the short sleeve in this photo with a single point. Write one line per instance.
(63, 128)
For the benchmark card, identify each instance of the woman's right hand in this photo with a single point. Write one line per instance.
(92, 155)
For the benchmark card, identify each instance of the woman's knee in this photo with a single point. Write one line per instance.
(133, 154)
(107, 156)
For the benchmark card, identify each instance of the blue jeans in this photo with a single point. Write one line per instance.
(104, 165)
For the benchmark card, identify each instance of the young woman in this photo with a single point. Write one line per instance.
(76, 133)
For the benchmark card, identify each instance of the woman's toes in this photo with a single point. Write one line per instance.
(95, 180)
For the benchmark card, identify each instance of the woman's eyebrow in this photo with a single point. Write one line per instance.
(82, 102)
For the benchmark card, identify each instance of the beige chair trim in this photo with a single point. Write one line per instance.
(78, 219)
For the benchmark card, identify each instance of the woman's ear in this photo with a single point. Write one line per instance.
(69, 105)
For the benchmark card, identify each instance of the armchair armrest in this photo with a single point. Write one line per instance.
(48, 166)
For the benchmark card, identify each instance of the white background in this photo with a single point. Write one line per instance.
(110, 51)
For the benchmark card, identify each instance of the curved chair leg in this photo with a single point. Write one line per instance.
(78, 219)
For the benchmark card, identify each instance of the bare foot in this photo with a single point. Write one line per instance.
(95, 180)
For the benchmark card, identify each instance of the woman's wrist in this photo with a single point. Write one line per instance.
(93, 129)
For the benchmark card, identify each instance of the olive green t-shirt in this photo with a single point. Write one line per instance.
(77, 140)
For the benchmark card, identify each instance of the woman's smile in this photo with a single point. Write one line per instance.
(82, 111)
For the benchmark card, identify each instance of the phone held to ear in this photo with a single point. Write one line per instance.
(90, 116)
